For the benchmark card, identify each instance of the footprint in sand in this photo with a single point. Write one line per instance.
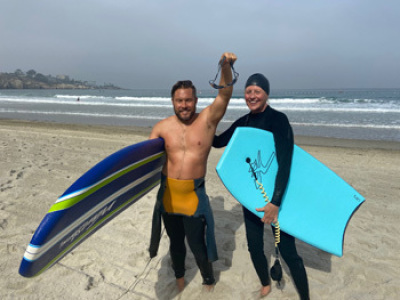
(3, 224)
(12, 248)
(6, 186)
(91, 283)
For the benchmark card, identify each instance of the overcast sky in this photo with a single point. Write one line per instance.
(154, 43)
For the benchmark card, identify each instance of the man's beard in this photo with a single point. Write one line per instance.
(184, 119)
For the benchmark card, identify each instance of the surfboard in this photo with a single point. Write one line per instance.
(317, 204)
(94, 199)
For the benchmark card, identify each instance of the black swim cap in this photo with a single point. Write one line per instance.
(258, 80)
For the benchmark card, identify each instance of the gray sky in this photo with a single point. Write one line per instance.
(154, 43)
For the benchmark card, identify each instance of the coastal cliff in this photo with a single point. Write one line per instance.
(34, 80)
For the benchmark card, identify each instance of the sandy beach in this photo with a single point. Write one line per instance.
(39, 161)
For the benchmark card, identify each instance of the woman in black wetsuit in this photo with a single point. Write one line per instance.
(264, 117)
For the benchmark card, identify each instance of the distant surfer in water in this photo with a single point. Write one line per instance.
(264, 117)
(182, 202)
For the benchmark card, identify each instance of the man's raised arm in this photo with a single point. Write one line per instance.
(218, 107)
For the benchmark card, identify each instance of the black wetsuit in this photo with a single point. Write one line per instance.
(198, 230)
(277, 123)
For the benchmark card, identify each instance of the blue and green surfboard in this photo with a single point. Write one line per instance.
(94, 199)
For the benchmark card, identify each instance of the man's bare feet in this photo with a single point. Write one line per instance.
(265, 290)
(180, 282)
(208, 288)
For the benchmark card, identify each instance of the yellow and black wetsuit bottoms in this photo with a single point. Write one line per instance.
(180, 197)
(187, 198)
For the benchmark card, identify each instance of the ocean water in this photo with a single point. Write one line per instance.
(371, 114)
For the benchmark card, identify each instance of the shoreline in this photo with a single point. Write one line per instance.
(300, 140)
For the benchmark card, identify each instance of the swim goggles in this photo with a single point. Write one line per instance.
(235, 76)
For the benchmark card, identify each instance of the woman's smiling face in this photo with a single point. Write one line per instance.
(256, 98)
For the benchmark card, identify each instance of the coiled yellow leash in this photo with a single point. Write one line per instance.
(276, 270)
(276, 225)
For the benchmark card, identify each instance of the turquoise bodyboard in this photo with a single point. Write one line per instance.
(317, 204)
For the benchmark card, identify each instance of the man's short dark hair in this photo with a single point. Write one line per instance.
(183, 84)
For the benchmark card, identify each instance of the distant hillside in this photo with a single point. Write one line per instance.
(34, 80)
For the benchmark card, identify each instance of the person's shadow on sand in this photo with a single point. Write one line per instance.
(227, 222)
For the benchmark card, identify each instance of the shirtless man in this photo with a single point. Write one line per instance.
(182, 200)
